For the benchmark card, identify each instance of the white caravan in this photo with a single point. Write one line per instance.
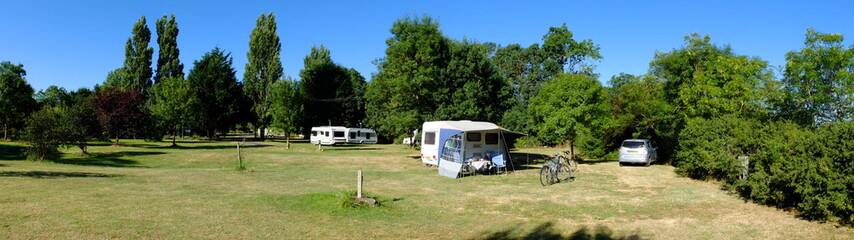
(361, 135)
(328, 135)
(460, 140)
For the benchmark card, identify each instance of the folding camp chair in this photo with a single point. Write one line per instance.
(498, 162)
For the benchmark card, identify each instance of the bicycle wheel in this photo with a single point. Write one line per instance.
(573, 165)
(546, 177)
(562, 173)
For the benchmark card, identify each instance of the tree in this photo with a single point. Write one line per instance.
(120, 112)
(214, 83)
(819, 80)
(136, 71)
(287, 107)
(705, 80)
(174, 104)
(168, 63)
(16, 96)
(53, 96)
(399, 96)
(529, 68)
(263, 69)
(640, 110)
(333, 93)
(566, 107)
(565, 54)
(474, 88)
(43, 133)
(79, 124)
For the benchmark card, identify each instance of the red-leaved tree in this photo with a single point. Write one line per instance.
(121, 112)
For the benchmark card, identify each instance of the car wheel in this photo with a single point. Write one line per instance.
(647, 162)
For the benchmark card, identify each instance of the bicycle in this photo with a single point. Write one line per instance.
(555, 170)
(573, 165)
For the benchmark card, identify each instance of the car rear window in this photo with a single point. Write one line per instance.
(632, 144)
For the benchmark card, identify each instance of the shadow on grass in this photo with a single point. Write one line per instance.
(522, 161)
(114, 159)
(349, 148)
(12, 152)
(208, 147)
(546, 231)
(44, 174)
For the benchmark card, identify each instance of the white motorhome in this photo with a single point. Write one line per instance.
(328, 135)
(455, 141)
(361, 135)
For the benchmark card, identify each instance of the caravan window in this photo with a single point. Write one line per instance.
(368, 135)
(314, 133)
(352, 135)
(491, 138)
(473, 137)
(337, 134)
(327, 133)
(429, 138)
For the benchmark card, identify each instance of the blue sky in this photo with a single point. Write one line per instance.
(74, 44)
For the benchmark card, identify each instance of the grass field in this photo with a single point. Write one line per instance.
(149, 190)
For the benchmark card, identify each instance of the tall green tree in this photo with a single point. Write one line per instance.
(213, 81)
(567, 108)
(263, 69)
(400, 96)
(705, 80)
(136, 71)
(529, 68)
(174, 104)
(473, 87)
(566, 54)
(168, 64)
(333, 93)
(16, 97)
(819, 80)
(287, 107)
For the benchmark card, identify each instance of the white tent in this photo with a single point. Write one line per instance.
(448, 144)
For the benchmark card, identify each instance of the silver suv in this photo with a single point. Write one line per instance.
(637, 151)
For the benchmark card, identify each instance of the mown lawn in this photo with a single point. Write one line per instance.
(149, 190)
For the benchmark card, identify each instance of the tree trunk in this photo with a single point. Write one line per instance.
(83, 149)
(571, 149)
(288, 140)
(261, 132)
(5, 132)
(174, 136)
(117, 140)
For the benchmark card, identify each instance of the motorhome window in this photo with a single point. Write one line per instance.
(337, 134)
(491, 138)
(314, 133)
(429, 138)
(473, 137)
(352, 135)
(368, 135)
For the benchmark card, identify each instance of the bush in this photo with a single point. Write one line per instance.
(43, 133)
(709, 148)
(790, 167)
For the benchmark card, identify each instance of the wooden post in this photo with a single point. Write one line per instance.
(239, 160)
(359, 195)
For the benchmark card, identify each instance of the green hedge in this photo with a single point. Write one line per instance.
(790, 167)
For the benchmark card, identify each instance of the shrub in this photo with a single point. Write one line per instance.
(43, 133)
(709, 147)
